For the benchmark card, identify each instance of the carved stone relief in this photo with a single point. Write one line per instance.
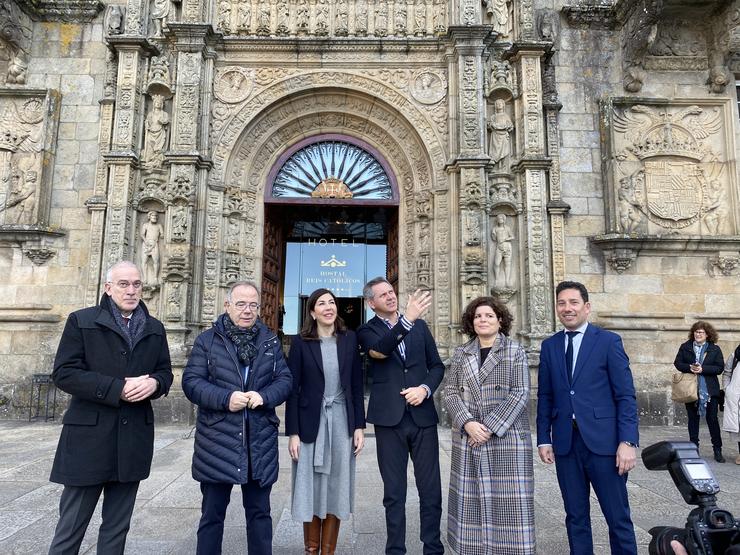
(339, 18)
(500, 127)
(28, 122)
(15, 42)
(156, 128)
(669, 169)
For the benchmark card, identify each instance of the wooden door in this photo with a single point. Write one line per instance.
(272, 268)
(391, 261)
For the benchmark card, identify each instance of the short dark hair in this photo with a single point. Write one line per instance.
(498, 306)
(563, 285)
(712, 335)
(367, 291)
(310, 329)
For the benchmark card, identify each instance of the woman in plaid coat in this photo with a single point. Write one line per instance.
(491, 500)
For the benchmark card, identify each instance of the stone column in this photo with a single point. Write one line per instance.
(531, 171)
(468, 209)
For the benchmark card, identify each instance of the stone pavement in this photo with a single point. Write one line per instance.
(167, 508)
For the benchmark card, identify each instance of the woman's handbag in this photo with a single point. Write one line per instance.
(684, 387)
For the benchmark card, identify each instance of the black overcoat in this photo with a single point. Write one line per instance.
(105, 438)
(303, 409)
(712, 366)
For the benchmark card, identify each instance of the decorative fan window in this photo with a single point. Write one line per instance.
(335, 170)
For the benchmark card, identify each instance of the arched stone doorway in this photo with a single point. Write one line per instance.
(250, 142)
(331, 220)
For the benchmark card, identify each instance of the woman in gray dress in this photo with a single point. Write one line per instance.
(324, 419)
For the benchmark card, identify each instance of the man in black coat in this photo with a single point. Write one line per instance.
(236, 375)
(112, 359)
(406, 370)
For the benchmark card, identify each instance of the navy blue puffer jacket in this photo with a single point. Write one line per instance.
(228, 443)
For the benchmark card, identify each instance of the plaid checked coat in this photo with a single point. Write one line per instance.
(491, 505)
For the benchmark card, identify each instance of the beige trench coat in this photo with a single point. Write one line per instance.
(731, 384)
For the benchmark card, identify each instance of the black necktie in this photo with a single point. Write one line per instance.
(126, 321)
(569, 354)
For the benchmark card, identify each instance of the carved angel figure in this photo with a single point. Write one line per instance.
(630, 215)
(155, 141)
(500, 126)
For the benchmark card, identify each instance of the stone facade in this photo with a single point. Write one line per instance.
(528, 142)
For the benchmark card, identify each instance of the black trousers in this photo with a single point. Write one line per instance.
(256, 501)
(692, 411)
(394, 444)
(76, 507)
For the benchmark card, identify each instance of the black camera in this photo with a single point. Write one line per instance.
(709, 530)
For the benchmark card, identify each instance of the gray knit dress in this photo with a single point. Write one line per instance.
(324, 476)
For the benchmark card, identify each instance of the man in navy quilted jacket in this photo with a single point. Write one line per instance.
(237, 375)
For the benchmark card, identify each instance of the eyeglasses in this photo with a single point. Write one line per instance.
(700, 332)
(126, 284)
(241, 306)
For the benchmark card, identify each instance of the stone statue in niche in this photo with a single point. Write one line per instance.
(400, 17)
(232, 234)
(244, 16)
(283, 18)
(160, 11)
(114, 20)
(159, 70)
(173, 299)
(420, 18)
(472, 228)
(342, 19)
(439, 15)
(500, 126)
(322, 17)
(629, 204)
(381, 19)
(155, 142)
(302, 16)
(179, 223)
(224, 17)
(263, 18)
(501, 74)
(503, 238)
(151, 232)
(498, 11)
(361, 18)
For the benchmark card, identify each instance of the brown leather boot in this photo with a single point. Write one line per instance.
(312, 535)
(329, 535)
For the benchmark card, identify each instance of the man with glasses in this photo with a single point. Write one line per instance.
(236, 375)
(112, 359)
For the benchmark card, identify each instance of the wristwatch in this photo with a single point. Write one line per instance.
(630, 444)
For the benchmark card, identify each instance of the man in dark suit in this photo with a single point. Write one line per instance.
(587, 421)
(112, 359)
(406, 369)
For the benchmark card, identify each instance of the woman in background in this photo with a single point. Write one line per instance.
(700, 355)
(731, 383)
(324, 418)
(491, 500)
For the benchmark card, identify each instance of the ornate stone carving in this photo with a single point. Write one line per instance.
(500, 126)
(223, 16)
(724, 265)
(439, 16)
(381, 18)
(503, 240)
(151, 234)
(620, 259)
(160, 12)
(180, 223)
(159, 81)
(420, 18)
(155, 138)
(428, 87)
(39, 255)
(243, 17)
(669, 166)
(636, 35)
(15, 39)
(114, 20)
(233, 84)
(498, 12)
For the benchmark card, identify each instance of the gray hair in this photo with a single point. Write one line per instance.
(367, 291)
(116, 266)
(251, 284)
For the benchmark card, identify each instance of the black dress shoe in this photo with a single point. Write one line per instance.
(718, 456)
